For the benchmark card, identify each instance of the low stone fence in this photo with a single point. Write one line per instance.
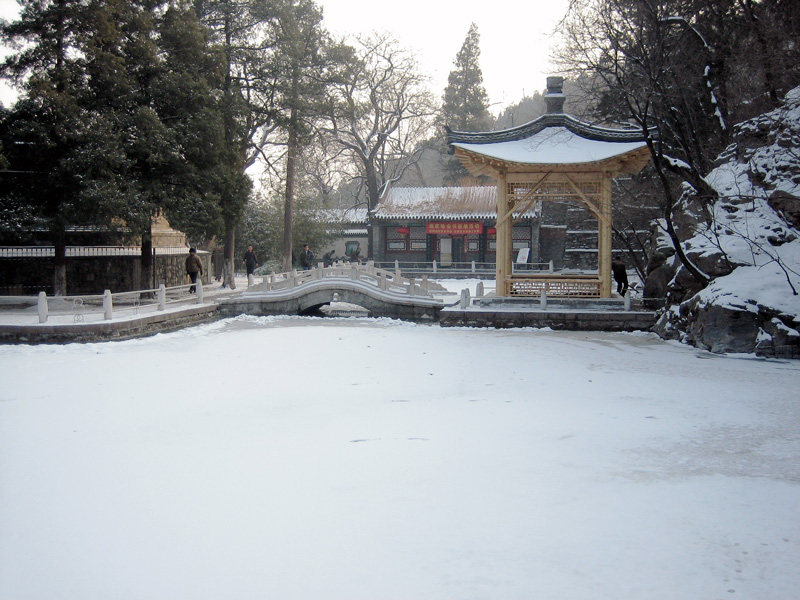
(81, 309)
(387, 281)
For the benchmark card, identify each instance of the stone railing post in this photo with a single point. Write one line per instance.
(464, 303)
(424, 284)
(434, 266)
(412, 286)
(473, 266)
(162, 297)
(108, 306)
(41, 305)
(628, 300)
(249, 280)
(479, 290)
(543, 299)
(199, 290)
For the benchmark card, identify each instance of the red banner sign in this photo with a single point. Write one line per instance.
(453, 227)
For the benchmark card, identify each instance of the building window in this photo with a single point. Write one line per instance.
(418, 238)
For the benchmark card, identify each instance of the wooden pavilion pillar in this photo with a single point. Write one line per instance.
(604, 235)
(503, 264)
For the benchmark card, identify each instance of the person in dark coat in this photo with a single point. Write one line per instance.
(327, 258)
(620, 273)
(306, 258)
(193, 266)
(250, 261)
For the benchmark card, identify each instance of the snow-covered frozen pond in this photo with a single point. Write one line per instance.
(290, 458)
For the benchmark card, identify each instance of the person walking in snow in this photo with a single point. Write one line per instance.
(306, 258)
(620, 273)
(327, 258)
(250, 261)
(193, 266)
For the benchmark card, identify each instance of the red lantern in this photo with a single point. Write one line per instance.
(403, 230)
(492, 231)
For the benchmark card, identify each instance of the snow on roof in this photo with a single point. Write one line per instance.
(446, 203)
(552, 145)
(354, 214)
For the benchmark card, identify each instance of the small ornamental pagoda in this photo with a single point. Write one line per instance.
(554, 157)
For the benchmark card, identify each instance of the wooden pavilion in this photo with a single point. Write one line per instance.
(554, 157)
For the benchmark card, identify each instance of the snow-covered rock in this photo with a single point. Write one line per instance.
(749, 243)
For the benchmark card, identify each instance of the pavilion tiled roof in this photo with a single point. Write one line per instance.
(550, 139)
(521, 132)
(555, 138)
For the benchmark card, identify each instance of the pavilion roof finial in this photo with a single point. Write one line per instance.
(554, 99)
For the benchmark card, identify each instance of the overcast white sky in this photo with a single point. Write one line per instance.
(515, 43)
(516, 37)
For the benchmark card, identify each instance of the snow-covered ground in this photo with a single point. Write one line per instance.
(291, 458)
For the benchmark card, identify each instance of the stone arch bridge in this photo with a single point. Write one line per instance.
(383, 293)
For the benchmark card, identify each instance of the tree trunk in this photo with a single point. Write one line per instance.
(228, 272)
(288, 211)
(668, 206)
(60, 263)
(372, 202)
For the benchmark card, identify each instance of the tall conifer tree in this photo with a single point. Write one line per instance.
(466, 103)
(298, 63)
(47, 129)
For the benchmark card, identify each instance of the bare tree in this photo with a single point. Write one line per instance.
(674, 69)
(380, 110)
(652, 67)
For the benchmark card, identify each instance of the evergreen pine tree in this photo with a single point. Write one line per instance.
(243, 32)
(299, 62)
(46, 131)
(466, 103)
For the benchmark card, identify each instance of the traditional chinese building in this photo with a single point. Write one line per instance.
(450, 225)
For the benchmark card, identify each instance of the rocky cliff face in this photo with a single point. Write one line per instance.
(748, 241)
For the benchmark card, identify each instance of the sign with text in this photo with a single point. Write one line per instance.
(454, 227)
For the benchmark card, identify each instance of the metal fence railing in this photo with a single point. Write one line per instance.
(457, 269)
(10, 252)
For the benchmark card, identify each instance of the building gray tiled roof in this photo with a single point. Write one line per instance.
(440, 203)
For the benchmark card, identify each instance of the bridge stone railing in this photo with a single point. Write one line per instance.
(384, 280)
